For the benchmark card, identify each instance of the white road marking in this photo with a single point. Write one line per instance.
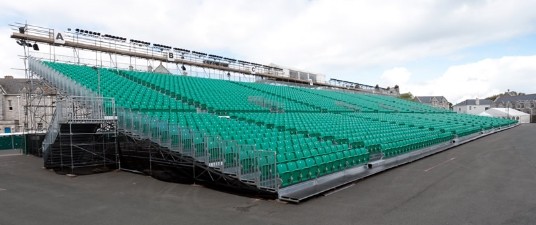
(1, 189)
(340, 189)
(439, 164)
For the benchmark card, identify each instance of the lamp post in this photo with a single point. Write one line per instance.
(508, 110)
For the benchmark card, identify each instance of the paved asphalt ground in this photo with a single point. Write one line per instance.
(488, 181)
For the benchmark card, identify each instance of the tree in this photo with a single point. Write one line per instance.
(508, 93)
(406, 96)
(493, 97)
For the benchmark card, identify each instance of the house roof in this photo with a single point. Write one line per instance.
(473, 102)
(508, 98)
(161, 69)
(12, 86)
(16, 86)
(428, 99)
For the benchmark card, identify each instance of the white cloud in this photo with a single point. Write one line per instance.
(395, 76)
(482, 79)
(10, 62)
(337, 38)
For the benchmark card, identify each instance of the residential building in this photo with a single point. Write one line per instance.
(523, 103)
(434, 101)
(23, 110)
(472, 106)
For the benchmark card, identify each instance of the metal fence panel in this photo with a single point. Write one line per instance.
(187, 142)
(231, 152)
(175, 138)
(268, 176)
(164, 130)
(214, 150)
(249, 169)
(200, 152)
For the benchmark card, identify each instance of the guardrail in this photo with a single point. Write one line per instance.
(245, 162)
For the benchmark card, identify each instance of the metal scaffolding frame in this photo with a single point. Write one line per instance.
(82, 134)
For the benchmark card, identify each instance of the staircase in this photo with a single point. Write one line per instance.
(80, 146)
(81, 138)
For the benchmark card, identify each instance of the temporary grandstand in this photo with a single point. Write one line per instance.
(285, 139)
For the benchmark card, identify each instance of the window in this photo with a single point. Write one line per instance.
(470, 108)
(9, 104)
(39, 126)
(486, 108)
(312, 77)
(294, 74)
(303, 76)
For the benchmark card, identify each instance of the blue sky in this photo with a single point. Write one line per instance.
(458, 49)
(524, 45)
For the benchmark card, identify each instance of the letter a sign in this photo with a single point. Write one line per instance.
(58, 39)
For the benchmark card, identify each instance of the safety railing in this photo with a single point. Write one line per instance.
(58, 80)
(348, 106)
(78, 110)
(245, 162)
(52, 133)
(268, 176)
(273, 106)
(86, 109)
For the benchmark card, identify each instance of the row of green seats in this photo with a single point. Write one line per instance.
(312, 132)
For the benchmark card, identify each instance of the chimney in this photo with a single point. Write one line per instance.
(8, 77)
(477, 101)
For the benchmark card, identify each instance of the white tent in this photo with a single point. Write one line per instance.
(507, 113)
